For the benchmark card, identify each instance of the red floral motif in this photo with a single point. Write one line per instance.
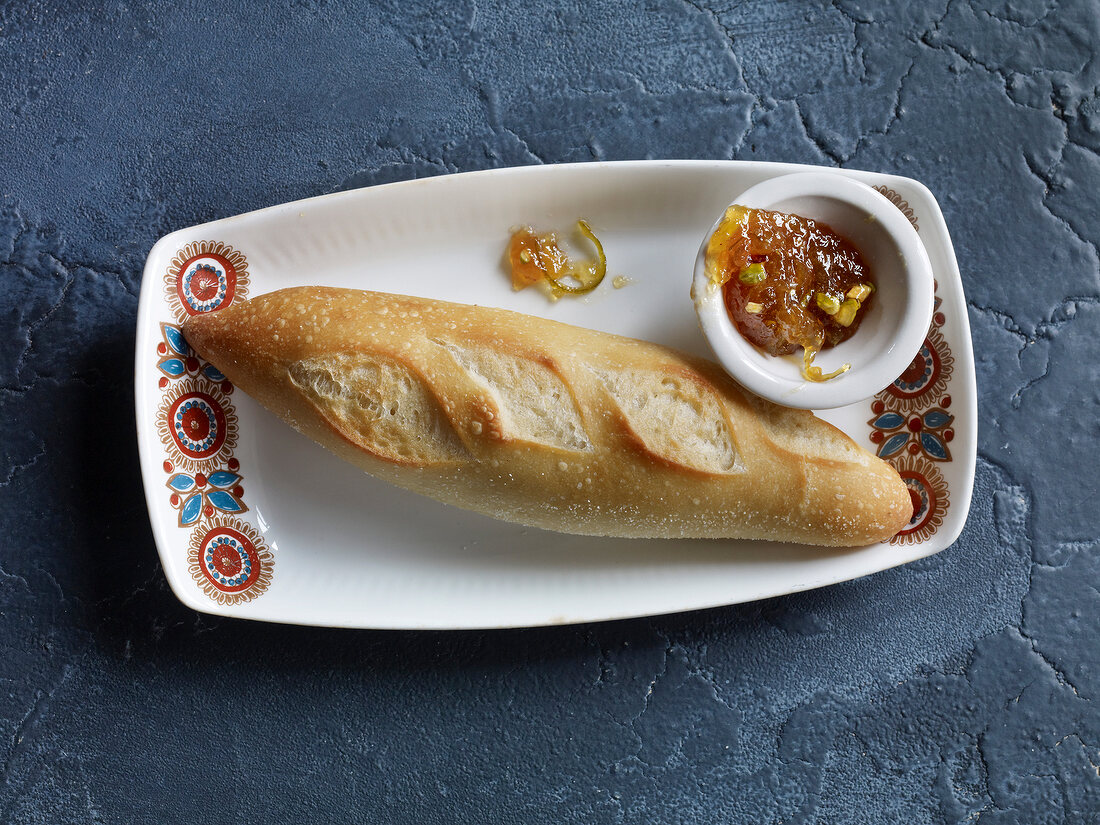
(925, 378)
(196, 424)
(204, 276)
(931, 498)
(230, 561)
(916, 370)
(205, 283)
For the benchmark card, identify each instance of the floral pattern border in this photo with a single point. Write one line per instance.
(911, 422)
(197, 425)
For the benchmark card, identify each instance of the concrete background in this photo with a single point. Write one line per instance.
(959, 689)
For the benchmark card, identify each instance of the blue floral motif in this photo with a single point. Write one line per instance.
(181, 360)
(213, 373)
(935, 419)
(191, 510)
(932, 445)
(174, 362)
(218, 491)
(224, 501)
(888, 421)
(894, 444)
(223, 479)
(172, 367)
(181, 482)
(173, 337)
(927, 433)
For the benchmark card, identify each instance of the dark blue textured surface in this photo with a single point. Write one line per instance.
(962, 688)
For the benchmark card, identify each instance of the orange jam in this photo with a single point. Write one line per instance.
(788, 282)
(536, 258)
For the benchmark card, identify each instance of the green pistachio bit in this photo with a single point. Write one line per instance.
(860, 291)
(753, 308)
(827, 303)
(753, 274)
(847, 312)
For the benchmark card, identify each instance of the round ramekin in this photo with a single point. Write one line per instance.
(896, 323)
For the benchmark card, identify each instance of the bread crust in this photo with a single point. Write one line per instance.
(546, 424)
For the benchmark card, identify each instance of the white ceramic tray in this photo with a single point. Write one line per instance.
(253, 520)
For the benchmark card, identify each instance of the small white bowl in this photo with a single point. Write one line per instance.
(894, 327)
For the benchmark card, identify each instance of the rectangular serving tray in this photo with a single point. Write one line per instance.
(253, 520)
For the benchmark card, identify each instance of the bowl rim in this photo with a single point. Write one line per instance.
(918, 288)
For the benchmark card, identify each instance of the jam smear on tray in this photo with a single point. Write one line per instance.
(789, 282)
(536, 258)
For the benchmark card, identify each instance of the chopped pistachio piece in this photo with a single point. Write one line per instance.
(827, 303)
(753, 274)
(753, 308)
(847, 312)
(860, 291)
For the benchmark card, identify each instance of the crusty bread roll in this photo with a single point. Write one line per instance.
(545, 424)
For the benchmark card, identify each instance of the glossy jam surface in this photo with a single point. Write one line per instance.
(537, 258)
(533, 256)
(785, 280)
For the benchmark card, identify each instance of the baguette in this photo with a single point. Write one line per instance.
(548, 425)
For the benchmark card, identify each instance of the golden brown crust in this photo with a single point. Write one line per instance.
(546, 424)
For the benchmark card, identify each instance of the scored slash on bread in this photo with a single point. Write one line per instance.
(546, 424)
